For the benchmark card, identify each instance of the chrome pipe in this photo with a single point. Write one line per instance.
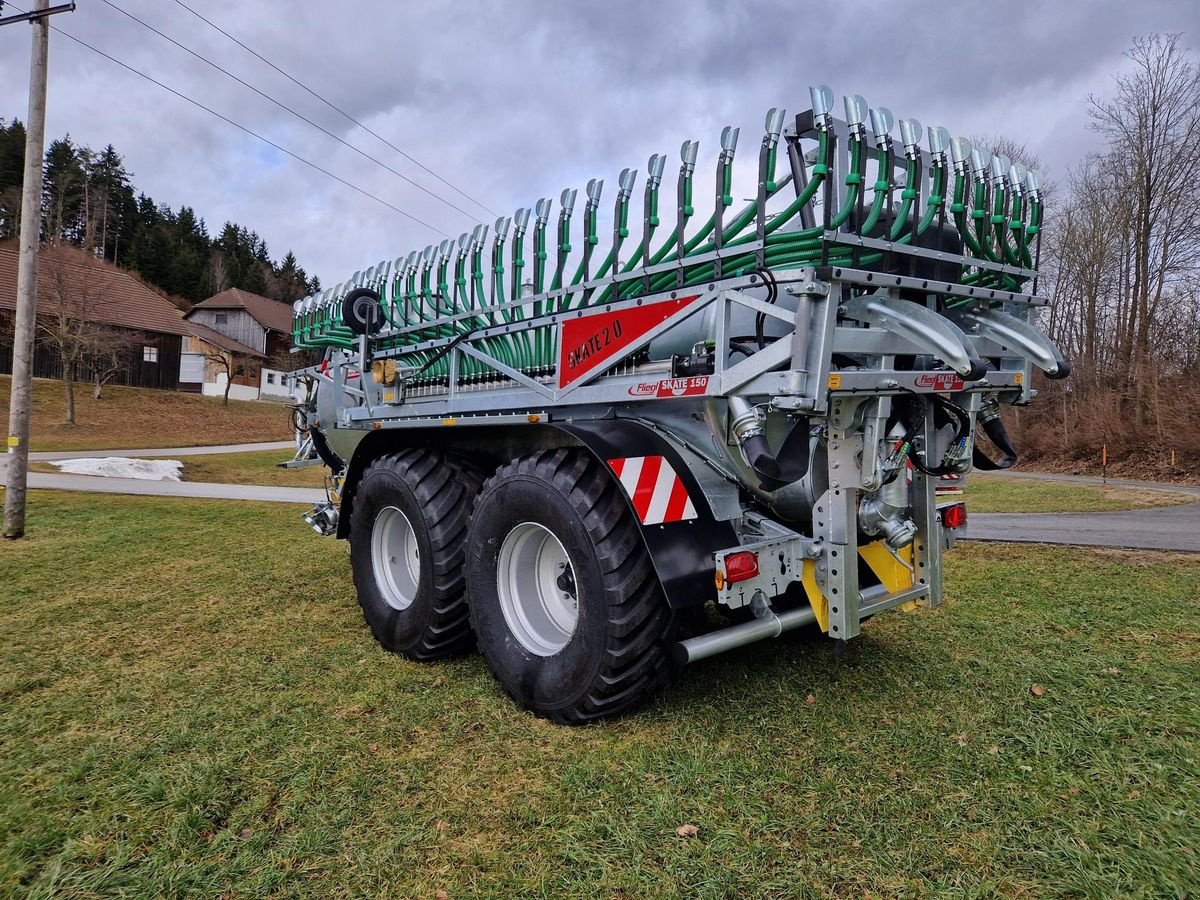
(771, 625)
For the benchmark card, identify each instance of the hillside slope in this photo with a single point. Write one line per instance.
(137, 417)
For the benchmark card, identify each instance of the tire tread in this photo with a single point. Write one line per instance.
(447, 502)
(636, 663)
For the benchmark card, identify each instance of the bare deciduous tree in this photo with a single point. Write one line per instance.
(71, 303)
(228, 362)
(1120, 256)
(109, 355)
(218, 274)
(1153, 129)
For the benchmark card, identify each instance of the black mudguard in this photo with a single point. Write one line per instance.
(682, 552)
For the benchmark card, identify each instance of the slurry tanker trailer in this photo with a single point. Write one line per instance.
(598, 467)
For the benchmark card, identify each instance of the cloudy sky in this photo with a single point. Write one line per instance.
(511, 101)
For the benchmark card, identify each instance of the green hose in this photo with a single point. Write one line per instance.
(958, 209)
(999, 223)
(906, 199)
(882, 188)
(1032, 229)
(858, 154)
(935, 198)
(980, 216)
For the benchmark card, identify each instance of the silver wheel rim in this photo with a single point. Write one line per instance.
(538, 593)
(395, 557)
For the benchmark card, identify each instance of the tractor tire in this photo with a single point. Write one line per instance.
(565, 603)
(407, 538)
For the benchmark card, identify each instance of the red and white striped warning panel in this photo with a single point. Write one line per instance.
(951, 485)
(657, 492)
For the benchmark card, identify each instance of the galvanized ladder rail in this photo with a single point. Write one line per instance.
(862, 277)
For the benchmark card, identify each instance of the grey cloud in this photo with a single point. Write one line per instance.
(517, 100)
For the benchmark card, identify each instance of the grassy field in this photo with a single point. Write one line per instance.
(137, 417)
(194, 707)
(997, 494)
(251, 468)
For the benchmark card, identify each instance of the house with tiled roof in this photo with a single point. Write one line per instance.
(262, 330)
(71, 284)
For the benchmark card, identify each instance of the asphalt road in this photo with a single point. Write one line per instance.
(1168, 528)
(195, 489)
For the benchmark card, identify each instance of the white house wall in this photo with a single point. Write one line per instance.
(236, 392)
(275, 384)
(191, 368)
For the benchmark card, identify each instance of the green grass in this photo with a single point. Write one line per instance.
(140, 417)
(191, 705)
(251, 468)
(997, 494)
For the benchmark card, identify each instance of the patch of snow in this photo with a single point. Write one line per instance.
(122, 467)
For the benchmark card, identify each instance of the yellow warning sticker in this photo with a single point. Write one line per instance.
(1019, 378)
(14, 441)
(835, 381)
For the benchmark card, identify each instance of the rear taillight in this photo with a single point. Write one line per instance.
(741, 566)
(954, 516)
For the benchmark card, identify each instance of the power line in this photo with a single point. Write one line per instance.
(288, 109)
(252, 133)
(335, 108)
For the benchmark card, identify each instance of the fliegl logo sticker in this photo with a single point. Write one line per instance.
(667, 388)
(941, 381)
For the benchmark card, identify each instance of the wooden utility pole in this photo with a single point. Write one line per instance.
(20, 405)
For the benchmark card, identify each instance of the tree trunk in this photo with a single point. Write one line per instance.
(99, 387)
(228, 385)
(104, 232)
(69, 384)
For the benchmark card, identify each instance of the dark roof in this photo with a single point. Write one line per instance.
(206, 334)
(268, 313)
(113, 296)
